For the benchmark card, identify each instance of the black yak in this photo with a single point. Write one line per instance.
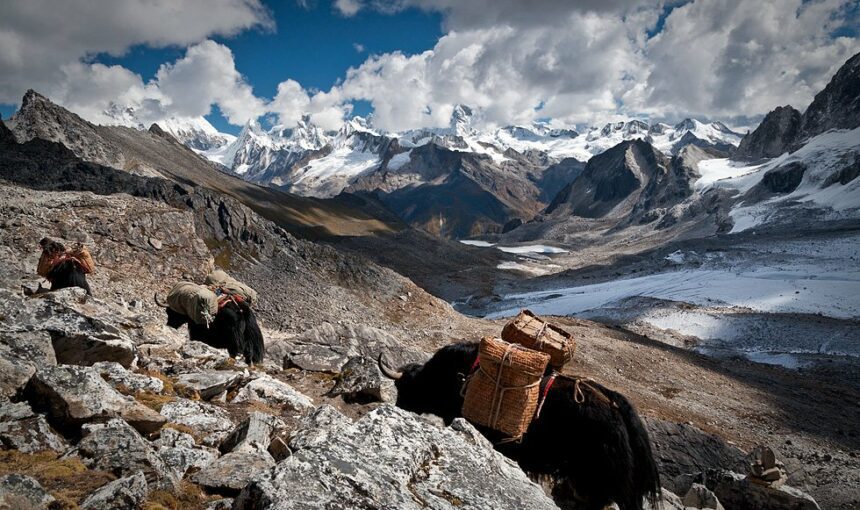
(588, 439)
(60, 268)
(234, 328)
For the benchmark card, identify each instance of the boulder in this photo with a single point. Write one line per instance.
(179, 451)
(23, 430)
(74, 395)
(202, 353)
(77, 349)
(117, 448)
(211, 383)
(20, 492)
(361, 381)
(734, 490)
(232, 472)
(266, 388)
(319, 427)
(21, 353)
(700, 497)
(328, 347)
(682, 449)
(210, 423)
(118, 375)
(391, 458)
(120, 494)
(254, 434)
(220, 504)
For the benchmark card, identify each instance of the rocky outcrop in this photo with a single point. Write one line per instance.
(209, 384)
(20, 492)
(360, 380)
(119, 449)
(838, 105)
(328, 347)
(212, 424)
(734, 490)
(73, 396)
(132, 382)
(23, 430)
(20, 353)
(775, 135)
(179, 451)
(120, 494)
(266, 388)
(232, 472)
(394, 459)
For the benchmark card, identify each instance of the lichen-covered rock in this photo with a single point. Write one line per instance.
(232, 472)
(21, 352)
(26, 431)
(211, 383)
(700, 497)
(319, 427)
(328, 347)
(361, 380)
(179, 451)
(120, 494)
(118, 448)
(76, 395)
(20, 492)
(393, 459)
(210, 423)
(253, 434)
(118, 375)
(267, 389)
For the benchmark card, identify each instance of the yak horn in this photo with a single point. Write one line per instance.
(388, 371)
(158, 301)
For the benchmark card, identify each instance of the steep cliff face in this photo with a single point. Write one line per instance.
(774, 136)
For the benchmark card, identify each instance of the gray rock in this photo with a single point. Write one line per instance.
(23, 430)
(266, 388)
(118, 375)
(87, 349)
(77, 395)
(20, 354)
(211, 383)
(328, 347)
(682, 449)
(393, 459)
(232, 472)
(120, 494)
(361, 380)
(210, 423)
(201, 353)
(220, 504)
(739, 491)
(179, 451)
(117, 448)
(20, 492)
(319, 427)
(254, 434)
(700, 497)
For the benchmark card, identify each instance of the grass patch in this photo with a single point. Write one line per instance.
(152, 400)
(68, 480)
(168, 382)
(188, 497)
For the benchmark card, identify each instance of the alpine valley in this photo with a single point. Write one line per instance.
(711, 276)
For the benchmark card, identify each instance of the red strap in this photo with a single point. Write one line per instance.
(476, 364)
(545, 393)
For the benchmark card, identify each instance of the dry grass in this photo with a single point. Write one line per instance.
(168, 382)
(189, 497)
(152, 400)
(68, 480)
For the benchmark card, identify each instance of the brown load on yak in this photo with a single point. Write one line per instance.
(196, 302)
(531, 331)
(502, 392)
(222, 283)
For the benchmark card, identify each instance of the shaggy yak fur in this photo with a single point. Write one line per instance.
(596, 452)
(234, 328)
(68, 274)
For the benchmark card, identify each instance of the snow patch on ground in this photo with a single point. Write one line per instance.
(475, 242)
(535, 248)
(398, 160)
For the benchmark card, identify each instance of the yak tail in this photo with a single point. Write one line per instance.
(646, 478)
(254, 345)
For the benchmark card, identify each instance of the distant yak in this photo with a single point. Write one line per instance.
(60, 267)
(587, 438)
(234, 327)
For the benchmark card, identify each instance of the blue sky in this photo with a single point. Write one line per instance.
(313, 45)
(586, 62)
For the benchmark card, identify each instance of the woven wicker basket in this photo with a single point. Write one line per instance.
(503, 393)
(531, 331)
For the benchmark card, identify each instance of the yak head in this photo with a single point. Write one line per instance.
(434, 387)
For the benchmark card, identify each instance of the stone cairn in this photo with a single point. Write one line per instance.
(764, 468)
